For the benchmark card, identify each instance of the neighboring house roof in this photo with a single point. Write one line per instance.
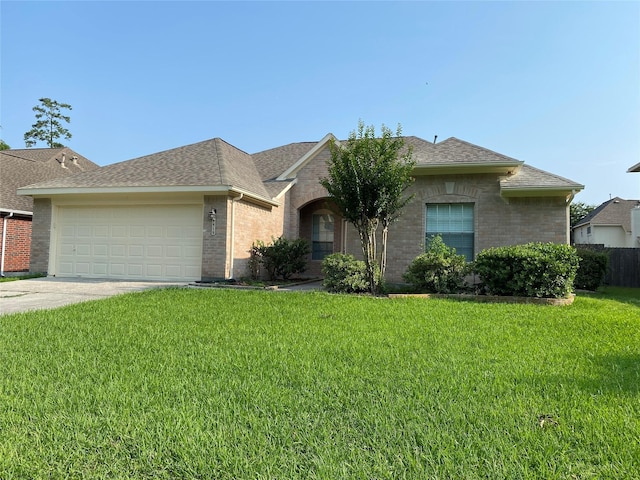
(635, 168)
(614, 212)
(215, 165)
(20, 167)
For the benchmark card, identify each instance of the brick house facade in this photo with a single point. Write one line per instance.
(472, 195)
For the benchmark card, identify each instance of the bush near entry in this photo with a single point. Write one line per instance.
(281, 259)
(533, 270)
(344, 274)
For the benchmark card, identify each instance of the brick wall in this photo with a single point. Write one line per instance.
(498, 221)
(17, 243)
(40, 235)
(215, 261)
(253, 222)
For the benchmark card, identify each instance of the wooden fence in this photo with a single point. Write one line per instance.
(624, 265)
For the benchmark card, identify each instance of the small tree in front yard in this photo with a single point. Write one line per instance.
(368, 176)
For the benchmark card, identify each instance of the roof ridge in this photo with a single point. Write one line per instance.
(218, 157)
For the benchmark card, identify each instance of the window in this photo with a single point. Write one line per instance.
(322, 237)
(454, 223)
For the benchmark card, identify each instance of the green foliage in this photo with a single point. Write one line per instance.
(592, 270)
(4, 145)
(344, 274)
(579, 210)
(438, 270)
(48, 127)
(367, 178)
(532, 270)
(281, 259)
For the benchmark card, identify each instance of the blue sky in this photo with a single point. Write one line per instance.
(556, 84)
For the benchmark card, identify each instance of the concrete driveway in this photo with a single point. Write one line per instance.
(51, 292)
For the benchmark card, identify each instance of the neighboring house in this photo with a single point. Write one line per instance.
(19, 168)
(610, 224)
(635, 214)
(192, 213)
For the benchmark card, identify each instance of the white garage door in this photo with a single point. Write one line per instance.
(130, 242)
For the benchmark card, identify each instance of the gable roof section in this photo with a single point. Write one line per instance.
(272, 163)
(307, 157)
(208, 166)
(635, 168)
(22, 167)
(457, 156)
(614, 212)
(529, 181)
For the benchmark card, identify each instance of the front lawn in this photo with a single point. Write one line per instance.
(222, 384)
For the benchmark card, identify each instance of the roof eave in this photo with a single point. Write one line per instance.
(465, 168)
(205, 189)
(566, 192)
(635, 168)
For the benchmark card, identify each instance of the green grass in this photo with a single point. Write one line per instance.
(21, 277)
(209, 383)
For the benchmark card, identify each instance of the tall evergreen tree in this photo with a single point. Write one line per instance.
(48, 127)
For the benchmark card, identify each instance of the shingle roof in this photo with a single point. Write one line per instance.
(217, 163)
(528, 177)
(271, 163)
(616, 211)
(635, 168)
(21, 167)
(210, 163)
(453, 151)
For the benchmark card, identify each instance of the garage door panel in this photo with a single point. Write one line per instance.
(154, 251)
(100, 269)
(101, 231)
(117, 269)
(83, 268)
(118, 231)
(118, 250)
(132, 242)
(82, 231)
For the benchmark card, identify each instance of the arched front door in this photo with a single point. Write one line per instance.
(321, 225)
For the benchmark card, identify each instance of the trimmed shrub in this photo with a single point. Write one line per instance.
(533, 270)
(592, 270)
(344, 274)
(438, 270)
(281, 259)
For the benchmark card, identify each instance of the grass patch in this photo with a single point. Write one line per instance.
(12, 278)
(210, 383)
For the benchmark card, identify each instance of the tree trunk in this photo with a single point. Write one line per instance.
(367, 231)
(383, 253)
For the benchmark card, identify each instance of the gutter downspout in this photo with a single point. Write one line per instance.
(233, 233)
(4, 241)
